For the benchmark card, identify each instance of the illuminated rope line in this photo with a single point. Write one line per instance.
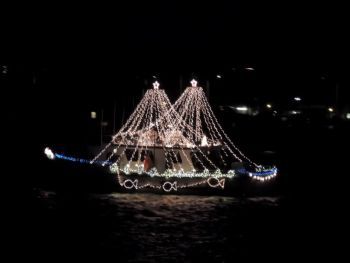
(212, 118)
(169, 152)
(189, 161)
(134, 127)
(166, 116)
(165, 151)
(200, 95)
(116, 149)
(198, 122)
(212, 134)
(193, 99)
(182, 107)
(191, 120)
(98, 155)
(228, 137)
(151, 109)
(184, 114)
(196, 102)
(138, 107)
(72, 159)
(203, 166)
(159, 94)
(139, 159)
(126, 146)
(206, 111)
(148, 117)
(157, 107)
(217, 137)
(191, 111)
(133, 154)
(139, 139)
(190, 129)
(210, 127)
(192, 185)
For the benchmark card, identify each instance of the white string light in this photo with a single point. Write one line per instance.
(187, 126)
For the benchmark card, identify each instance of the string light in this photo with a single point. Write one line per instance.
(215, 182)
(264, 174)
(48, 152)
(129, 184)
(187, 127)
(156, 85)
(168, 186)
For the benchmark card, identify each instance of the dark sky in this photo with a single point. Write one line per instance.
(291, 43)
(74, 57)
(179, 34)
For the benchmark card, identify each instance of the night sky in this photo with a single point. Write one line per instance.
(62, 61)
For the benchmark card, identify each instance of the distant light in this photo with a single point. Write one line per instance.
(194, 83)
(154, 77)
(297, 98)
(242, 108)
(294, 112)
(93, 115)
(249, 68)
(4, 69)
(218, 76)
(330, 109)
(156, 85)
(268, 106)
(49, 153)
(347, 116)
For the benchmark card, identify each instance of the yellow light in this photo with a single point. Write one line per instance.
(268, 106)
(330, 109)
(93, 115)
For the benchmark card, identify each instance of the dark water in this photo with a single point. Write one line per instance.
(159, 228)
(307, 220)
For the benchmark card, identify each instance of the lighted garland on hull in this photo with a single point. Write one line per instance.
(214, 180)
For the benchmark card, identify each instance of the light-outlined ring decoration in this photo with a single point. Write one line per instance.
(129, 184)
(215, 182)
(168, 186)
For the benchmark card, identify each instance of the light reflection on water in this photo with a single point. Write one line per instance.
(150, 227)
